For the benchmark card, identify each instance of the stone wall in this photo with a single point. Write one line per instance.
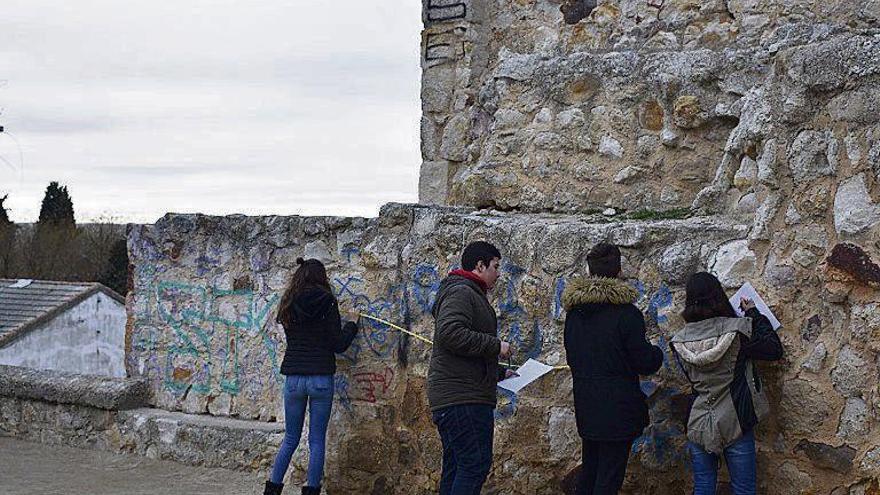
(574, 105)
(202, 332)
(109, 414)
(750, 126)
(762, 111)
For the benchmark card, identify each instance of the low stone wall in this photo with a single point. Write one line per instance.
(109, 414)
(202, 332)
(70, 388)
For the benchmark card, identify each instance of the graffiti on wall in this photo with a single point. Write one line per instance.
(445, 10)
(374, 337)
(206, 324)
(206, 328)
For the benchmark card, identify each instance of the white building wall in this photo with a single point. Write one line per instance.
(88, 338)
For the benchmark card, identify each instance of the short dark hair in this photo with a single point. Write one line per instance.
(705, 298)
(478, 251)
(604, 260)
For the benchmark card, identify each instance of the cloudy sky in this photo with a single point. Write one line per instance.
(215, 106)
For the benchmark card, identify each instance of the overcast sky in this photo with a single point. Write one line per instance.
(214, 106)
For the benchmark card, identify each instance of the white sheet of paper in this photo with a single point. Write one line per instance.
(749, 292)
(528, 372)
(21, 283)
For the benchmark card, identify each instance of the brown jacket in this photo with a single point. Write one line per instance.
(464, 360)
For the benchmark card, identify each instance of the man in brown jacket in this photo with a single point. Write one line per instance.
(464, 370)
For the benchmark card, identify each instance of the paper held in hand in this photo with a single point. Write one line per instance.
(528, 372)
(748, 291)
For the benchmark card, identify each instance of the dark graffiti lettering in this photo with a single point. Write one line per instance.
(445, 10)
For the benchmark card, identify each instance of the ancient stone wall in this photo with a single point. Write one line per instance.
(762, 111)
(570, 105)
(201, 331)
(109, 414)
(751, 126)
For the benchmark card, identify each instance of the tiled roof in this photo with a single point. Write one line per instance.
(24, 306)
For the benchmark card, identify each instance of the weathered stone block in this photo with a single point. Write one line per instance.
(839, 459)
(69, 388)
(852, 374)
(434, 183)
(854, 211)
(854, 420)
(733, 263)
(803, 408)
(816, 359)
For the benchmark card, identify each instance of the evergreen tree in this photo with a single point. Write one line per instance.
(57, 207)
(54, 253)
(7, 241)
(115, 273)
(4, 214)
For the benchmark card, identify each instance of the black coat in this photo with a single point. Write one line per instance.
(315, 334)
(606, 348)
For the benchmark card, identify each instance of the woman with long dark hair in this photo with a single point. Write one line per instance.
(309, 314)
(716, 349)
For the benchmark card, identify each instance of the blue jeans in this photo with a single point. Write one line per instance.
(466, 432)
(317, 392)
(741, 464)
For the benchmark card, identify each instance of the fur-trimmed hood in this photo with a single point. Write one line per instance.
(598, 290)
(704, 343)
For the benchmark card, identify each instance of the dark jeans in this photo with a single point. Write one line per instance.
(466, 432)
(741, 465)
(317, 392)
(604, 467)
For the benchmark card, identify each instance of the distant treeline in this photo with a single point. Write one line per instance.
(55, 248)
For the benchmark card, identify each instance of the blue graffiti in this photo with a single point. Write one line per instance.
(342, 389)
(657, 301)
(648, 387)
(374, 336)
(512, 311)
(663, 344)
(659, 442)
(510, 303)
(205, 264)
(350, 251)
(557, 297)
(528, 346)
(660, 300)
(425, 285)
(662, 440)
(506, 404)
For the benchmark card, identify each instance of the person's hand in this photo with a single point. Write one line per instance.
(746, 304)
(353, 315)
(506, 350)
(510, 374)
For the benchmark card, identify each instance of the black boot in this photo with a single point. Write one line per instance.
(311, 490)
(273, 488)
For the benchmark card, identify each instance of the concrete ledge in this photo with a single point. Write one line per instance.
(197, 440)
(68, 388)
(201, 440)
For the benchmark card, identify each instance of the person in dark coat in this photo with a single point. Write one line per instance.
(463, 372)
(606, 349)
(716, 350)
(313, 327)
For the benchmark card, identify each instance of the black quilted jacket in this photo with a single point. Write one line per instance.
(315, 335)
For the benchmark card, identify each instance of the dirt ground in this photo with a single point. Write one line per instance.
(30, 469)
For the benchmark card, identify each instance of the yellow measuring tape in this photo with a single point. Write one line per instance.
(392, 325)
(424, 339)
